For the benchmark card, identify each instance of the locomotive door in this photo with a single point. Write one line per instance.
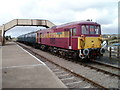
(40, 37)
(70, 38)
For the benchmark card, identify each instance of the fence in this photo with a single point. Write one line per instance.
(115, 52)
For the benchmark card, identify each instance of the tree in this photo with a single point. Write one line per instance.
(8, 38)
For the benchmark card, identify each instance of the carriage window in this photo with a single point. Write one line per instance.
(97, 30)
(85, 29)
(92, 30)
(74, 31)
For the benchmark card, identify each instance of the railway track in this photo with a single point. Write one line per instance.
(115, 71)
(101, 67)
(70, 77)
(105, 64)
(110, 70)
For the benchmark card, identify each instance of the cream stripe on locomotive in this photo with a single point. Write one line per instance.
(56, 35)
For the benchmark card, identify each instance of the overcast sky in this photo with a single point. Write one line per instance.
(59, 12)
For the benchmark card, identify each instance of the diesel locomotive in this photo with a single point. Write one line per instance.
(79, 40)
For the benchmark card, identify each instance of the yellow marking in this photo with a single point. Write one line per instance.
(79, 43)
(90, 42)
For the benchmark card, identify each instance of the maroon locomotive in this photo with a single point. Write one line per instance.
(76, 39)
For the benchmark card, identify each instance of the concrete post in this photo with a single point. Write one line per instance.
(3, 35)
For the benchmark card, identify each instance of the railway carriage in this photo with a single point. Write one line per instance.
(20, 38)
(74, 40)
(29, 38)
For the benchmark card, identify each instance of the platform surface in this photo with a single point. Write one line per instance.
(21, 70)
(0, 68)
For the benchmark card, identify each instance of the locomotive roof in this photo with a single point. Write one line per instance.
(69, 24)
(77, 22)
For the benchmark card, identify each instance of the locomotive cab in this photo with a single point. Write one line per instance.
(89, 42)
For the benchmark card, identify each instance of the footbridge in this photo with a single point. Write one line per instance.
(23, 22)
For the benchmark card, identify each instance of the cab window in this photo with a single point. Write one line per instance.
(74, 31)
(92, 31)
(97, 30)
(85, 29)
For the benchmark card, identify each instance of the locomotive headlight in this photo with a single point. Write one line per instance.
(83, 37)
(102, 50)
(86, 51)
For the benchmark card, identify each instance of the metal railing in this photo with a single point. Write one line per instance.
(115, 53)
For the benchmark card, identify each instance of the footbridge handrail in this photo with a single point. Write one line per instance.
(26, 22)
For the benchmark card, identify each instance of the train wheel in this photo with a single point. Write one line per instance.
(75, 56)
(64, 54)
(55, 50)
(43, 47)
(52, 50)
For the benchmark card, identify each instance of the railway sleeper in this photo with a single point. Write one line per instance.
(66, 75)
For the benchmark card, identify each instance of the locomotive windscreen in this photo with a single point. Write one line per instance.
(91, 29)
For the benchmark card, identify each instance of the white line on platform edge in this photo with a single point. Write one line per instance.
(32, 55)
(41, 62)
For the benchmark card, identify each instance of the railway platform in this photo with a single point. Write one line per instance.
(22, 70)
